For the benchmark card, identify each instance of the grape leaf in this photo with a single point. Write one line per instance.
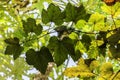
(81, 14)
(45, 17)
(14, 50)
(75, 13)
(69, 45)
(13, 41)
(31, 26)
(86, 41)
(39, 59)
(38, 29)
(71, 12)
(13, 47)
(53, 14)
(58, 49)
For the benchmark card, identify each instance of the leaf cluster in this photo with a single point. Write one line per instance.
(94, 36)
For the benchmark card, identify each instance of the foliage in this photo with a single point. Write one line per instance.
(13, 69)
(87, 32)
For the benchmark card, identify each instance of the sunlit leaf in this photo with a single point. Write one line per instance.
(81, 70)
(106, 70)
(80, 24)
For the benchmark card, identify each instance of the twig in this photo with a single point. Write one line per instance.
(37, 37)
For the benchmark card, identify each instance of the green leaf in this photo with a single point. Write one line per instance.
(80, 24)
(58, 19)
(70, 12)
(82, 14)
(31, 26)
(45, 57)
(39, 59)
(53, 14)
(60, 54)
(58, 50)
(38, 29)
(77, 55)
(14, 50)
(28, 26)
(13, 47)
(75, 13)
(69, 45)
(113, 39)
(115, 51)
(31, 57)
(86, 41)
(45, 17)
(53, 43)
(12, 41)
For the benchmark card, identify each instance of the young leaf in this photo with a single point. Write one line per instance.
(79, 71)
(106, 70)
